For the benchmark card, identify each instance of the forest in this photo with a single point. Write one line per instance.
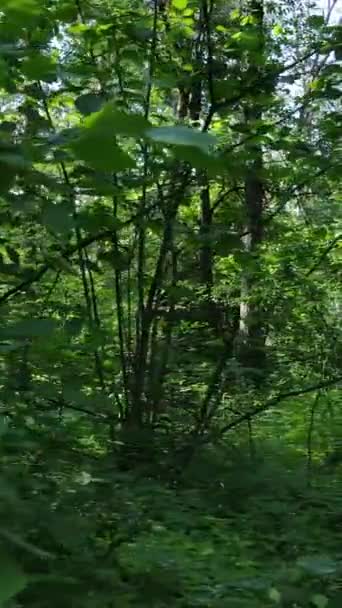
(170, 295)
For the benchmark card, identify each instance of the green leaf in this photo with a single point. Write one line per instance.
(66, 11)
(58, 217)
(201, 159)
(89, 103)
(319, 600)
(12, 579)
(96, 144)
(39, 67)
(180, 4)
(101, 152)
(14, 160)
(277, 30)
(274, 595)
(320, 565)
(21, 12)
(112, 121)
(84, 478)
(181, 136)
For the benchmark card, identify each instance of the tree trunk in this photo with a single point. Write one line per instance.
(252, 331)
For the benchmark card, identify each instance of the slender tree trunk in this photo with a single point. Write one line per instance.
(206, 255)
(252, 334)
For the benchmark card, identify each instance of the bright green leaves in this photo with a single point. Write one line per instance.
(112, 121)
(12, 579)
(180, 4)
(277, 30)
(181, 136)
(61, 328)
(97, 145)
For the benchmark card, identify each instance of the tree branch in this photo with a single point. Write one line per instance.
(326, 251)
(64, 253)
(36, 276)
(227, 103)
(272, 402)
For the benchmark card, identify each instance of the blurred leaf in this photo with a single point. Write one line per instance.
(319, 600)
(12, 579)
(274, 595)
(14, 161)
(97, 144)
(201, 159)
(110, 121)
(320, 565)
(84, 478)
(181, 136)
(21, 11)
(39, 67)
(89, 103)
(58, 216)
(101, 152)
(180, 4)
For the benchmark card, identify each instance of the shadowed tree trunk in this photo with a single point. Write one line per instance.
(252, 330)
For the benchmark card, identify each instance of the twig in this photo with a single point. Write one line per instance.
(227, 103)
(106, 418)
(66, 253)
(327, 250)
(281, 397)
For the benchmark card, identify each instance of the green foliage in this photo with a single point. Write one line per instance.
(170, 413)
(12, 580)
(181, 136)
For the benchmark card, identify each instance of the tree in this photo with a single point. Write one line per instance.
(169, 188)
